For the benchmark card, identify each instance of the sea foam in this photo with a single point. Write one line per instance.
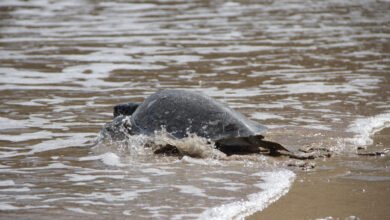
(275, 185)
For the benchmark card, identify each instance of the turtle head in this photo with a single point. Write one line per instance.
(125, 109)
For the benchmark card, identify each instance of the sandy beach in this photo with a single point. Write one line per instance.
(339, 187)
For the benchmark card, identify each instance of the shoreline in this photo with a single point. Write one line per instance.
(340, 187)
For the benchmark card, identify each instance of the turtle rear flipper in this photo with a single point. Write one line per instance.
(273, 147)
(125, 109)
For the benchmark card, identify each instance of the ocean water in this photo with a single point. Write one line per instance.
(316, 73)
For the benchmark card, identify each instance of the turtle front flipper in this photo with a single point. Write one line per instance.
(125, 109)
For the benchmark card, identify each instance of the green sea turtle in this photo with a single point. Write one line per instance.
(181, 113)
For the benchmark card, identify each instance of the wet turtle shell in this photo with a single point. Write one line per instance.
(182, 112)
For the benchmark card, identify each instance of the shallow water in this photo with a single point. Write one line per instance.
(316, 72)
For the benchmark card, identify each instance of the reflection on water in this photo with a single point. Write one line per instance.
(318, 66)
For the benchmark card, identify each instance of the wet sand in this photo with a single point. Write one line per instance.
(339, 187)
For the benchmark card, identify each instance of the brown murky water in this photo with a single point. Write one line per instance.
(316, 72)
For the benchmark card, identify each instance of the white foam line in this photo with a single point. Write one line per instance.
(192, 190)
(80, 210)
(23, 189)
(108, 158)
(275, 185)
(7, 207)
(365, 128)
(7, 183)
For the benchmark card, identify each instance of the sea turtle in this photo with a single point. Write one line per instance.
(182, 112)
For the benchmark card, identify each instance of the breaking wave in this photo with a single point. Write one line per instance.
(275, 185)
